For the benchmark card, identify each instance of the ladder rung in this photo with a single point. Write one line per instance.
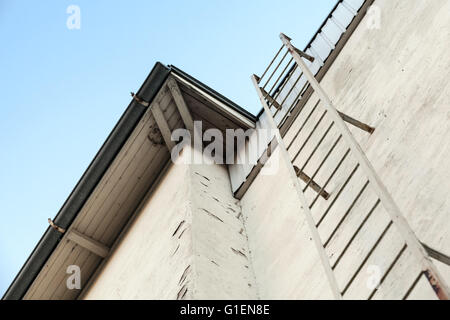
(303, 125)
(324, 160)
(279, 77)
(317, 146)
(361, 265)
(275, 70)
(355, 234)
(270, 64)
(338, 194)
(346, 214)
(279, 90)
(293, 86)
(310, 135)
(388, 270)
(413, 285)
(332, 175)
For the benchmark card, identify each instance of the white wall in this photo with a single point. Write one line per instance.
(396, 79)
(187, 242)
(285, 260)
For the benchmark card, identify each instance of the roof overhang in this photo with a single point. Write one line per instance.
(122, 172)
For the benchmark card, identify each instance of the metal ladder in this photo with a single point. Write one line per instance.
(289, 85)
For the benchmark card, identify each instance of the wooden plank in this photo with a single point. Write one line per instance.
(54, 263)
(104, 203)
(133, 189)
(199, 105)
(162, 125)
(109, 203)
(117, 168)
(136, 194)
(58, 284)
(181, 105)
(88, 243)
(121, 162)
(88, 267)
(125, 229)
(127, 189)
(208, 125)
(92, 225)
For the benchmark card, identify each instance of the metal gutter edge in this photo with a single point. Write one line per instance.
(87, 184)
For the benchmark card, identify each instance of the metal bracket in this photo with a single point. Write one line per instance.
(139, 100)
(311, 183)
(54, 226)
(298, 51)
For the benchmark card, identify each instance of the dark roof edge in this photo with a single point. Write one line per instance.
(97, 168)
(213, 93)
(87, 183)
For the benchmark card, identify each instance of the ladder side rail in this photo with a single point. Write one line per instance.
(304, 208)
(380, 189)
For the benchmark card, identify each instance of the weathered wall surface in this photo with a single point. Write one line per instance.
(394, 78)
(222, 265)
(187, 242)
(285, 260)
(151, 258)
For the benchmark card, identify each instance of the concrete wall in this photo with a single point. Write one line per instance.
(187, 242)
(285, 260)
(394, 78)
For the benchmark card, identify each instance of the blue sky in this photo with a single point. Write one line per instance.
(62, 91)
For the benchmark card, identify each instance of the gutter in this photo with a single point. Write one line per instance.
(86, 184)
(97, 168)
